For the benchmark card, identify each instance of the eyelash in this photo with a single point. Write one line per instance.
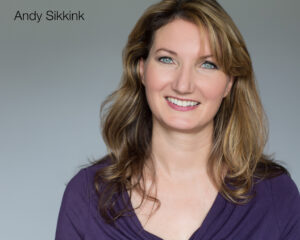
(214, 66)
(160, 59)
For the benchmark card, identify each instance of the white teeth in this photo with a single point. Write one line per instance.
(182, 103)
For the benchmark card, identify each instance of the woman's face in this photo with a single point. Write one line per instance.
(183, 84)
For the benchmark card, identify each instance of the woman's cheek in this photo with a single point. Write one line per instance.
(214, 89)
(156, 80)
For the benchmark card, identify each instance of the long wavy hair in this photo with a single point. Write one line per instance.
(240, 125)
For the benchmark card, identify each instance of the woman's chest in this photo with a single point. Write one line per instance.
(178, 216)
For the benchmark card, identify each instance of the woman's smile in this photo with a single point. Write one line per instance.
(181, 104)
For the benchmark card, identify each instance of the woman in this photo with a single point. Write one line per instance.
(186, 132)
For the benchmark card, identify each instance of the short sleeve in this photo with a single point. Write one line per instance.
(74, 209)
(286, 200)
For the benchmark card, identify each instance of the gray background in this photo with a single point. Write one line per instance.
(54, 76)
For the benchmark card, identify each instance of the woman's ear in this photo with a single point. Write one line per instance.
(141, 69)
(229, 86)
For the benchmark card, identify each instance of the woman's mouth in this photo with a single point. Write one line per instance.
(182, 105)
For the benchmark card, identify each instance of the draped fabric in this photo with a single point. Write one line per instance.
(273, 214)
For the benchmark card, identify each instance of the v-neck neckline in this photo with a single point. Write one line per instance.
(212, 213)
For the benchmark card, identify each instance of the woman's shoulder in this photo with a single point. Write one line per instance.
(83, 180)
(280, 194)
(92, 168)
(75, 207)
(272, 178)
(281, 187)
(285, 195)
(80, 188)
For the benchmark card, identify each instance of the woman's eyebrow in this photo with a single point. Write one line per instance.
(174, 53)
(166, 50)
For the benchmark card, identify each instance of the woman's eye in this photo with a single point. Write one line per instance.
(166, 60)
(209, 65)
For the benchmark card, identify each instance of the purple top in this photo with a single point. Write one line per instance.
(274, 213)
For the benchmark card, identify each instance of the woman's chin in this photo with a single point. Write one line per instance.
(182, 126)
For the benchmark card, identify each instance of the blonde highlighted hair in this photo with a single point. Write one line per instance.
(240, 128)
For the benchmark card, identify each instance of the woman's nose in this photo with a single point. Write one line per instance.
(183, 81)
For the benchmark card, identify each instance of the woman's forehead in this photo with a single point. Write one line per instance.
(181, 36)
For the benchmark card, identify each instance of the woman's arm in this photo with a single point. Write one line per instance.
(74, 210)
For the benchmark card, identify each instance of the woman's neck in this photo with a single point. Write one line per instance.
(179, 155)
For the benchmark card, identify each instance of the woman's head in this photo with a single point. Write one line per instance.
(239, 130)
(226, 44)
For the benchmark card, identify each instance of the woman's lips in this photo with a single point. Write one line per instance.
(182, 104)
